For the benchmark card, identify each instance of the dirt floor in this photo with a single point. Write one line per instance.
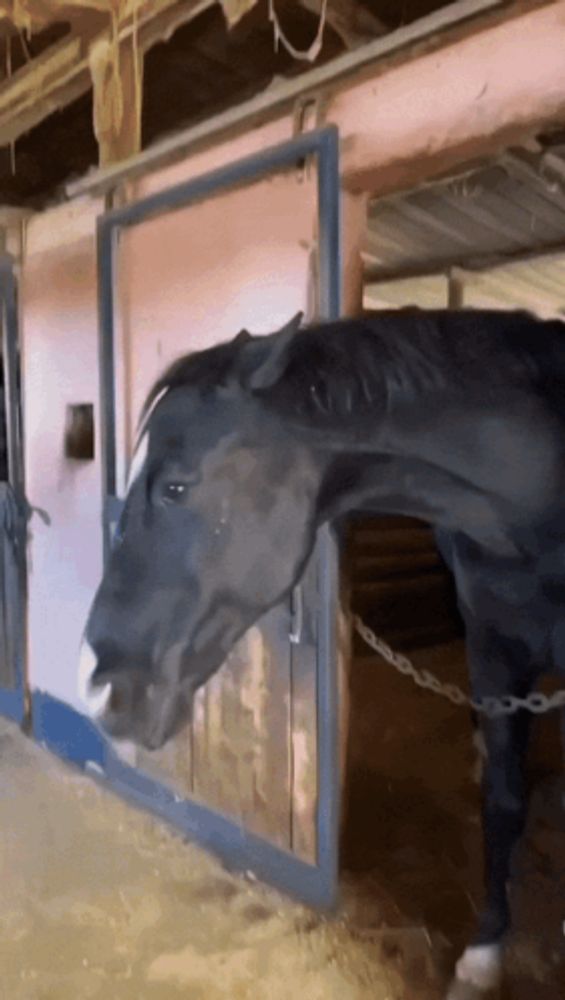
(101, 901)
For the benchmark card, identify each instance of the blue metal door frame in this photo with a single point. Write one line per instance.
(315, 884)
(13, 506)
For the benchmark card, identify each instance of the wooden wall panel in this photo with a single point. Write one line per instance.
(241, 733)
(172, 764)
(305, 720)
(304, 723)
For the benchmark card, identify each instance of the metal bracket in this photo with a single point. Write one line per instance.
(308, 115)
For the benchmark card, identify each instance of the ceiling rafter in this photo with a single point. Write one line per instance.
(70, 49)
(63, 72)
(32, 15)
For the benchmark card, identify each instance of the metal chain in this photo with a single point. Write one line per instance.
(508, 704)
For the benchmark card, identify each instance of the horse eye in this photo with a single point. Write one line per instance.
(174, 492)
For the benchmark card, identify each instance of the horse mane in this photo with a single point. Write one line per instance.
(204, 370)
(346, 366)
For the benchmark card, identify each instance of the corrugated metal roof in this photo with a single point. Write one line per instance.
(536, 285)
(502, 226)
(514, 206)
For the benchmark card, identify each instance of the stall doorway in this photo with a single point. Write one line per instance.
(255, 776)
(411, 838)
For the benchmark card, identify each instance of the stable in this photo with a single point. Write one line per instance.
(410, 166)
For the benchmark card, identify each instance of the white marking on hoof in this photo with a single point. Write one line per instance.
(481, 966)
(93, 699)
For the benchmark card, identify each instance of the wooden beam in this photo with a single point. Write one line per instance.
(39, 13)
(455, 289)
(33, 15)
(354, 230)
(280, 97)
(59, 75)
(117, 77)
(62, 73)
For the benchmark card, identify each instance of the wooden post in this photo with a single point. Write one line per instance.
(455, 289)
(12, 227)
(354, 232)
(117, 79)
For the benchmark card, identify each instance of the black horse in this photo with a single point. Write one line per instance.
(457, 418)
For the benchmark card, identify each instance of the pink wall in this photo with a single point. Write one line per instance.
(219, 155)
(470, 98)
(59, 340)
(195, 277)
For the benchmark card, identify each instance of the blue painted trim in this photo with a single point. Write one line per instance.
(327, 694)
(68, 734)
(248, 169)
(12, 704)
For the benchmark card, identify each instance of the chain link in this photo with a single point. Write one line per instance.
(508, 704)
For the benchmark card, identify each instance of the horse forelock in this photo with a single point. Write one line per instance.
(146, 414)
(201, 369)
(141, 439)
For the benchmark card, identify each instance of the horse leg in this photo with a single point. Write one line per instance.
(504, 805)
(480, 749)
(562, 727)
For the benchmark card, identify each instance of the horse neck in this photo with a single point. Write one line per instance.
(411, 460)
(385, 484)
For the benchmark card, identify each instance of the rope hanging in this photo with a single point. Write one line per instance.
(111, 105)
(308, 55)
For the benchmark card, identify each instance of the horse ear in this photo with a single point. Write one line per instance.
(274, 360)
